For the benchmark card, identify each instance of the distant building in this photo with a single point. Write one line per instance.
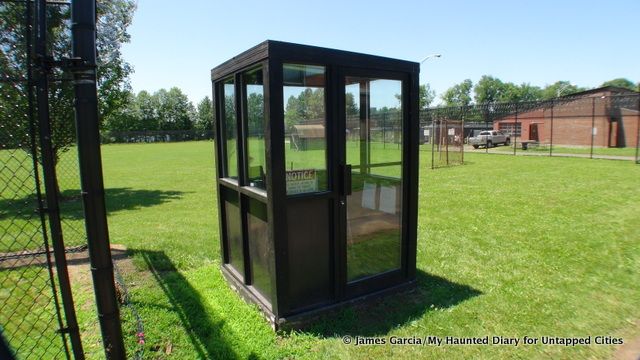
(308, 137)
(609, 114)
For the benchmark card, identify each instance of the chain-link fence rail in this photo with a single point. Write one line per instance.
(601, 123)
(110, 137)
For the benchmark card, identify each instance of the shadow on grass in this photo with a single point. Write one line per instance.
(117, 199)
(432, 293)
(203, 328)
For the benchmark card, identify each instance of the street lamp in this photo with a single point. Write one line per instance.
(430, 56)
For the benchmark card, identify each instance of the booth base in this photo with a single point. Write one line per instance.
(300, 320)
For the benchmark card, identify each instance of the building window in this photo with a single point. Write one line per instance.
(510, 129)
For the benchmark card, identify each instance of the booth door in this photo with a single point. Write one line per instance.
(371, 199)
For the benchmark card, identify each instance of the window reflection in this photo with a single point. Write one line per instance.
(373, 146)
(256, 155)
(229, 129)
(305, 128)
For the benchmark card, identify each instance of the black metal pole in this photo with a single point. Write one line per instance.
(83, 31)
(51, 185)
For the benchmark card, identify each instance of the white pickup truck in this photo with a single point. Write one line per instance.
(490, 138)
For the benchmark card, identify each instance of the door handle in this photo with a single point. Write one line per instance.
(346, 178)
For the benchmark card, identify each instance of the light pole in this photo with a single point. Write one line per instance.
(430, 132)
(430, 56)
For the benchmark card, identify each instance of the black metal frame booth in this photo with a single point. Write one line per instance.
(317, 176)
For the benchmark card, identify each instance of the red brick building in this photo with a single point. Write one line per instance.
(610, 115)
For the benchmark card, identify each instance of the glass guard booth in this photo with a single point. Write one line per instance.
(317, 176)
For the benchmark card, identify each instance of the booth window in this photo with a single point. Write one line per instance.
(305, 128)
(233, 230)
(373, 109)
(260, 251)
(253, 99)
(229, 129)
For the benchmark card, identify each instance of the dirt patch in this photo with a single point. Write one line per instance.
(630, 350)
(78, 264)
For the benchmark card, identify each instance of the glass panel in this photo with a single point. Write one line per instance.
(305, 124)
(234, 235)
(256, 155)
(229, 132)
(259, 247)
(374, 149)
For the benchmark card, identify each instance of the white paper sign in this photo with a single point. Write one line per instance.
(452, 131)
(594, 131)
(369, 196)
(388, 199)
(302, 181)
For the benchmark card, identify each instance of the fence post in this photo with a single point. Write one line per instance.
(551, 134)
(593, 124)
(83, 31)
(638, 135)
(515, 132)
(486, 126)
(51, 183)
(384, 130)
(432, 136)
(464, 113)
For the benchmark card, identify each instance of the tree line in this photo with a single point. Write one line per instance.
(163, 110)
(490, 89)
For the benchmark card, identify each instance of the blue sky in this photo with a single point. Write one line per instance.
(538, 42)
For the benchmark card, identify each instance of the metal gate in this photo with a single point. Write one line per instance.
(39, 183)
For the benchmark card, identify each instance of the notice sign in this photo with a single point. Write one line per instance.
(452, 132)
(302, 181)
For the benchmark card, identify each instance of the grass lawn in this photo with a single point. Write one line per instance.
(559, 149)
(509, 246)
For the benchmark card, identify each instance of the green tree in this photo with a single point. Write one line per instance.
(427, 95)
(560, 88)
(146, 111)
(113, 18)
(175, 111)
(623, 83)
(351, 106)
(204, 115)
(459, 94)
(308, 106)
(124, 117)
(524, 92)
(255, 109)
(489, 90)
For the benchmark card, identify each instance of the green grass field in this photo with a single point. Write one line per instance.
(560, 149)
(508, 246)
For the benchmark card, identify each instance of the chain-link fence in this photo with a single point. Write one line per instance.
(42, 218)
(34, 283)
(601, 124)
(446, 138)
